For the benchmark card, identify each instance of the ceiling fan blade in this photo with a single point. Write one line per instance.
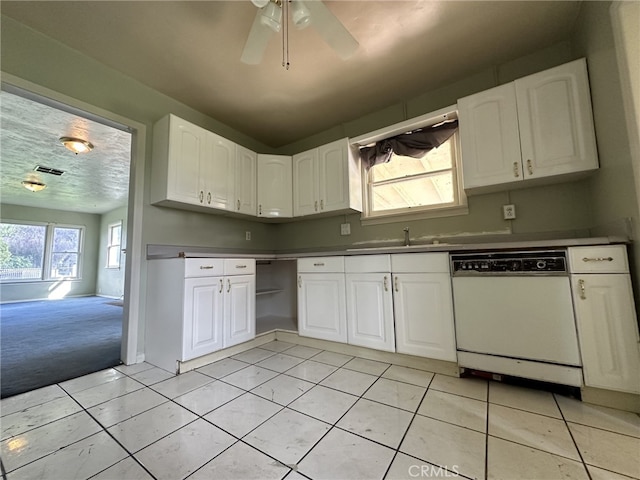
(331, 29)
(257, 41)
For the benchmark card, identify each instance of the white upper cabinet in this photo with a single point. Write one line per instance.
(245, 181)
(326, 179)
(538, 127)
(219, 182)
(489, 137)
(191, 166)
(274, 186)
(179, 150)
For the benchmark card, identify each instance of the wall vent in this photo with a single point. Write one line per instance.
(52, 171)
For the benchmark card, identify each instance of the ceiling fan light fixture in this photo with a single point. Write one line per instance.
(76, 145)
(33, 186)
(272, 16)
(300, 15)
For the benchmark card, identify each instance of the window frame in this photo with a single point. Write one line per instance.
(48, 253)
(117, 246)
(458, 207)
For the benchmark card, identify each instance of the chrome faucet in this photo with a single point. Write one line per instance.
(407, 241)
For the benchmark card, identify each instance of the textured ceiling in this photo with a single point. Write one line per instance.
(94, 182)
(191, 52)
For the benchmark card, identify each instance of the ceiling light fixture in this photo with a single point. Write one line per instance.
(272, 15)
(300, 15)
(76, 145)
(33, 186)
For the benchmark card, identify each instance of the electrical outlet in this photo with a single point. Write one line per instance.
(247, 235)
(509, 212)
(345, 229)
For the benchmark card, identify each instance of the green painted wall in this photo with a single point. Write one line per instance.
(13, 292)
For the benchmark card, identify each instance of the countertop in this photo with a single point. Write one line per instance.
(171, 251)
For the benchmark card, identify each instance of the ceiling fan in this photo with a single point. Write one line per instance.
(268, 20)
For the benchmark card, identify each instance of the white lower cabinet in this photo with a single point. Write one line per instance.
(370, 302)
(423, 305)
(196, 306)
(606, 318)
(322, 311)
(370, 310)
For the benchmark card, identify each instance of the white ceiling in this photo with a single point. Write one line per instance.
(190, 51)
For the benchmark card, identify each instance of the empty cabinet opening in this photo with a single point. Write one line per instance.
(276, 300)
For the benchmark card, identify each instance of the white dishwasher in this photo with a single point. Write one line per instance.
(514, 315)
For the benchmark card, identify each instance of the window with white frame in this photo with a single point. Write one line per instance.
(425, 184)
(31, 251)
(114, 245)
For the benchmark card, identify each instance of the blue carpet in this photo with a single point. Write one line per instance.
(50, 341)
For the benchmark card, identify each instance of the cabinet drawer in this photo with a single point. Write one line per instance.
(420, 263)
(321, 264)
(239, 266)
(367, 263)
(603, 259)
(203, 267)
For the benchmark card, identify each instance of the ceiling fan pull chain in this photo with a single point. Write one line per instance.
(285, 34)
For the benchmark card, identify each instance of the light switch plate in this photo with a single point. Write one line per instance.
(509, 212)
(345, 229)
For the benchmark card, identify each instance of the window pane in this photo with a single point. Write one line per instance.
(64, 265)
(115, 235)
(400, 166)
(113, 257)
(433, 190)
(66, 239)
(21, 251)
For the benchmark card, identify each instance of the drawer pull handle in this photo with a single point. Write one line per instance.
(315, 205)
(209, 198)
(529, 167)
(221, 285)
(206, 267)
(299, 281)
(583, 293)
(597, 259)
(395, 282)
(321, 264)
(321, 204)
(386, 284)
(228, 285)
(516, 170)
(201, 196)
(241, 266)
(238, 204)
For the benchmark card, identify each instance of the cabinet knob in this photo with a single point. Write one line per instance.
(516, 170)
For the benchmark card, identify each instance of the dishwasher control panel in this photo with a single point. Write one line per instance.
(513, 263)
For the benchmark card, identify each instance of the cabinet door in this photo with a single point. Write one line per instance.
(245, 185)
(556, 122)
(203, 314)
(305, 183)
(322, 311)
(239, 309)
(187, 149)
(423, 307)
(274, 186)
(489, 137)
(608, 331)
(333, 177)
(220, 176)
(370, 311)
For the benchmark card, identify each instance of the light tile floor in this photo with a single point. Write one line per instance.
(295, 412)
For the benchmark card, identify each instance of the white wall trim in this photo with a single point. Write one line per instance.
(135, 248)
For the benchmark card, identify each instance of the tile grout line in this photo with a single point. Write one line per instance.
(575, 444)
